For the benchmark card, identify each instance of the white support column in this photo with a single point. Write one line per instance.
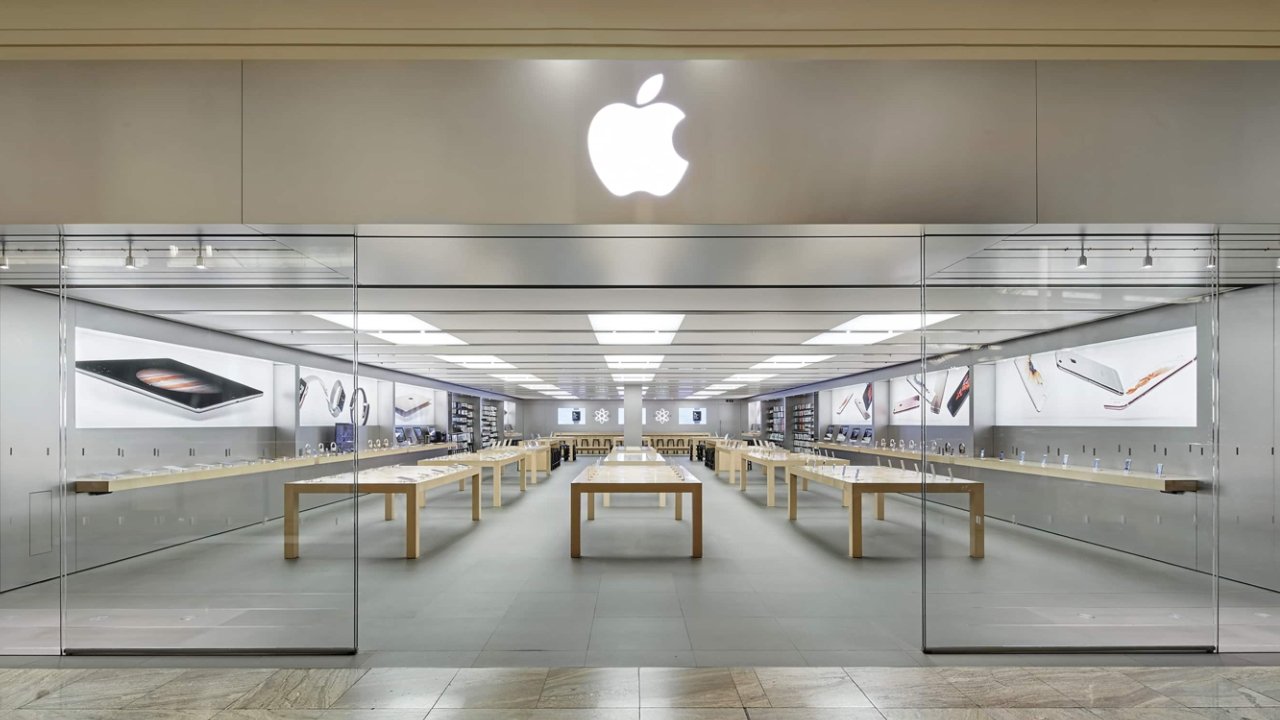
(633, 409)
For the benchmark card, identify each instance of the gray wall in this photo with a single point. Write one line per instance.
(502, 141)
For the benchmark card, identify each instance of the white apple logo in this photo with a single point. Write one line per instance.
(631, 148)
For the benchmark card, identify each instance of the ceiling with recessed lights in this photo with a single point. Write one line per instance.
(577, 312)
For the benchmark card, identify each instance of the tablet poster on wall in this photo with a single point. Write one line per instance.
(415, 405)
(940, 398)
(851, 405)
(326, 398)
(1147, 380)
(131, 382)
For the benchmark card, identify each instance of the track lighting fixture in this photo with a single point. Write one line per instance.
(1083, 261)
(1148, 262)
(128, 256)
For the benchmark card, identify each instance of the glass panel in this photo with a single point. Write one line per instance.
(1071, 372)
(30, 495)
(1249, 588)
(191, 416)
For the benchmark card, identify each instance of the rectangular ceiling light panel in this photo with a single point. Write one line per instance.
(749, 377)
(632, 377)
(633, 362)
(419, 338)
(635, 322)
(790, 362)
(378, 322)
(478, 362)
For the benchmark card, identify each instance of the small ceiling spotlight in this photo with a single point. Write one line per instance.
(200, 250)
(4, 255)
(129, 262)
(1212, 262)
(1082, 262)
(1148, 262)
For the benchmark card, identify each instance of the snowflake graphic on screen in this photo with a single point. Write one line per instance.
(602, 416)
(662, 416)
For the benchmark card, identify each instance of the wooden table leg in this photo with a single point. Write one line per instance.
(879, 506)
(422, 499)
(591, 506)
(697, 520)
(977, 522)
(855, 525)
(575, 523)
(522, 468)
(845, 495)
(291, 523)
(412, 547)
(497, 484)
(388, 506)
(771, 474)
(791, 495)
(742, 474)
(679, 506)
(662, 500)
(475, 496)
(605, 500)
(805, 487)
(461, 484)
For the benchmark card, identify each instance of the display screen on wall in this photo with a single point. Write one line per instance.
(415, 405)
(326, 398)
(940, 397)
(1148, 380)
(693, 416)
(130, 382)
(753, 415)
(571, 416)
(851, 405)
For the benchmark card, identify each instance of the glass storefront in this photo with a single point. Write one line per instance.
(1084, 415)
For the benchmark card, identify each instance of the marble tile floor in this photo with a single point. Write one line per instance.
(643, 693)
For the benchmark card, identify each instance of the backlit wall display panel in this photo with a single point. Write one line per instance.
(416, 405)
(851, 405)
(326, 398)
(693, 416)
(1148, 380)
(571, 416)
(130, 382)
(940, 397)
(753, 415)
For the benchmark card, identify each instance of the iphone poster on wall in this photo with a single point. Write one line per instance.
(851, 405)
(326, 398)
(940, 398)
(1148, 380)
(130, 382)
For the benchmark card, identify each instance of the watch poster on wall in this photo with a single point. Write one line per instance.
(130, 382)
(326, 398)
(1148, 380)
(938, 398)
(571, 416)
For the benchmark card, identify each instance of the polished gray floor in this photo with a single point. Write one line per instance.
(504, 592)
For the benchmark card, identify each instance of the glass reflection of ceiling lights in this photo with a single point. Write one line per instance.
(632, 377)
(790, 362)
(635, 328)
(874, 328)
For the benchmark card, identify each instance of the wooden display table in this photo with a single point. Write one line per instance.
(495, 459)
(539, 458)
(855, 481)
(643, 479)
(409, 481)
(1137, 480)
(639, 456)
(770, 461)
(120, 483)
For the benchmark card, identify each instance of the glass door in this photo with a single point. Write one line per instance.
(1068, 390)
(210, 499)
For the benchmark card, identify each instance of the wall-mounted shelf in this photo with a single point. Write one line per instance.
(1137, 480)
(102, 486)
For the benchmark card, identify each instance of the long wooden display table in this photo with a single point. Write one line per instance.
(642, 479)
(602, 443)
(634, 456)
(101, 486)
(1138, 480)
(411, 482)
(539, 457)
(856, 481)
(770, 461)
(495, 459)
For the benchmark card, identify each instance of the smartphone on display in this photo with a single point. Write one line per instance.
(1032, 382)
(399, 435)
(1150, 382)
(171, 382)
(939, 390)
(864, 403)
(910, 403)
(418, 436)
(1104, 376)
(959, 395)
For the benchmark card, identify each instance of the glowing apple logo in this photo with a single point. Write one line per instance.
(630, 146)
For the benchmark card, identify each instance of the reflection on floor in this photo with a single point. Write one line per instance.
(505, 592)
(630, 693)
